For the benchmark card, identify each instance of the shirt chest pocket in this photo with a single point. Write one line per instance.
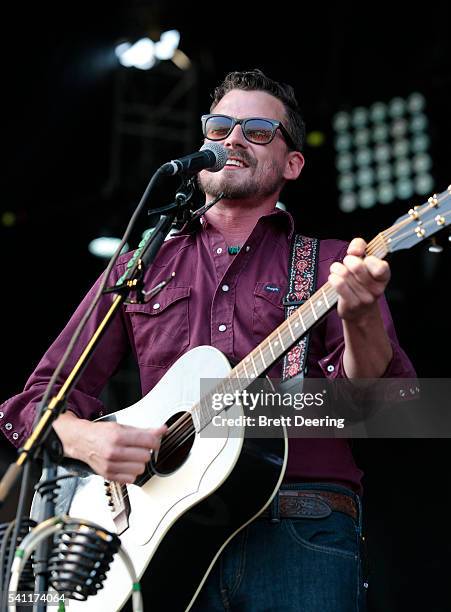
(268, 310)
(161, 327)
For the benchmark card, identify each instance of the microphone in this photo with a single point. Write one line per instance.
(212, 156)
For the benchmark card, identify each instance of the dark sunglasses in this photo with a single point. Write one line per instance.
(255, 129)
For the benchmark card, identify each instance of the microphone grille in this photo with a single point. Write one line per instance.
(220, 154)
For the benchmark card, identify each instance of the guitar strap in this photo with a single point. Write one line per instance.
(302, 276)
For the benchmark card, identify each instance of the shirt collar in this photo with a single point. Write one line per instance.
(278, 217)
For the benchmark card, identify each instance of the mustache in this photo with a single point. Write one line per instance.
(242, 156)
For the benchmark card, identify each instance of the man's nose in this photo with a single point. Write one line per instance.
(235, 138)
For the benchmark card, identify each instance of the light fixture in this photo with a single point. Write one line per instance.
(145, 53)
(382, 152)
(105, 246)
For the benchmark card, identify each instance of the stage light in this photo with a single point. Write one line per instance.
(140, 55)
(367, 197)
(105, 247)
(145, 53)
(382, 152)
(348, 202)
(315, 138)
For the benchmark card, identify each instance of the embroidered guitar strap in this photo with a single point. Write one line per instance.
(302, 273)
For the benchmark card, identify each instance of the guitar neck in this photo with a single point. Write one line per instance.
(297, 325)
(268, 352)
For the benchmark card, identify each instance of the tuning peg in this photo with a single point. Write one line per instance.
(434, 247)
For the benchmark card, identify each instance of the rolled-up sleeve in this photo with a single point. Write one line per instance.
(17, 414)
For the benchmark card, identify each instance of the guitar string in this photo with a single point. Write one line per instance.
(180, 431)
(184, 427)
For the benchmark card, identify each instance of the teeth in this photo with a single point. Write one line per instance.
(235, 162)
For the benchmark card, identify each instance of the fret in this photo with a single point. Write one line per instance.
(271, 349)
(291, 331)
(313, 310)
(302, 320)
(229, 380)
(280, 338)
(325, 297)
(238, 378)
(261, 355)
(253, 365)
(244, 366)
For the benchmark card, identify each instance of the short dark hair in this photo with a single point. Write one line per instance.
(256, 80)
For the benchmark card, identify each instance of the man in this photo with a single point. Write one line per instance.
(224, 266)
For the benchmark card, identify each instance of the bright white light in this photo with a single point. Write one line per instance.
(435, 248)
(105, 247)
(402, 167)
(121, 49)
(384, 172)
(418, 123)
(348, 202)
(343, 141)
(363, 157)
(385, 193)
(367, 197)
(404, 189)
(399, 128)
(424, 184)
(396, 107)
(140, 55)
(421, 162)
(144, 53)
(382, 153)
(378, 111)
(346, 182)
(281, 205)
(359, 117)
(344, 162)
(341, 121)
(361, 137)
(168, 43)
(401, 148)
(365, 176)
(420, 143)
(416, 102)
(380, 133)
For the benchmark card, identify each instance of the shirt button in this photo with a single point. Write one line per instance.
(330, 368)
(219, 251)
(225, 287)
(222, 328)
(156, 306)
(8, 426)
(15, 435)
(248, 248)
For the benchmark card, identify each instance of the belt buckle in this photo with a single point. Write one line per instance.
(306, 504)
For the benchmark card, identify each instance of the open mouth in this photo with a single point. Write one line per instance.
(234, 162)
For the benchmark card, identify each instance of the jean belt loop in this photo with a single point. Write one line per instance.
(274, 512)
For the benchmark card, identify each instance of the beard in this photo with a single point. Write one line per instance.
(260, 183)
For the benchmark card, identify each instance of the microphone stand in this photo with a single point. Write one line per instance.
(43, 437)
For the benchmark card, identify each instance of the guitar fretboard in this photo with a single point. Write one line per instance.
(263, 357)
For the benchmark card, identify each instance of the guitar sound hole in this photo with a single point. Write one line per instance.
(175, 446)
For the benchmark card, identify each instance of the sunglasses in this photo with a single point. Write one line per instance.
(255, 129)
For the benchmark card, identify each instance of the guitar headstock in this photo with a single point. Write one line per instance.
(420, 222)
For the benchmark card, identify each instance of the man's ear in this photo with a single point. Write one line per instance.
(294, 164)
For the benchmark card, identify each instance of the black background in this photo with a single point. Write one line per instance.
(58, 77)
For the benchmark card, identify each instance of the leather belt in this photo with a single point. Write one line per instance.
(310, 504)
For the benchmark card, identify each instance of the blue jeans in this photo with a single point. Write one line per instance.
(294, 565)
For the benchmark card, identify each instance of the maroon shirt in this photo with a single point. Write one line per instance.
(215, 299)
